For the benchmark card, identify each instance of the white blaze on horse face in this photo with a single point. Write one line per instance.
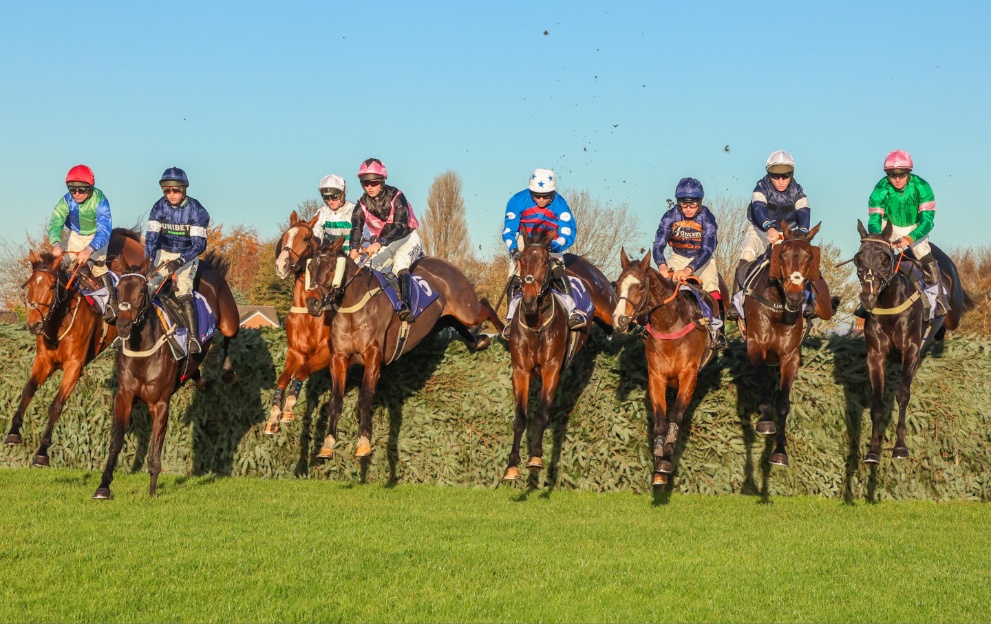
(281, 268)
(624, 292)
(796, 278)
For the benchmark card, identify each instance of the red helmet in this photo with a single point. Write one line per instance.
(898, 159)
(372, 169)
(81, 173)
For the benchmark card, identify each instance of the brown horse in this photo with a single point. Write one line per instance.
(775, 325)
(539, 337)
(896, 327)
(69, 334)
(366, 329)
(677, 347)
(146, 368)
(307, 335)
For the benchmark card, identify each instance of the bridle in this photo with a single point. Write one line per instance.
(294, 265)
(59, 297)
(869, 276)
(142, 308)
(530, 279)
(329, 296)
(638, 310)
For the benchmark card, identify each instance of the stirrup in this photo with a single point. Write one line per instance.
(508, 329)
(719, 342)
(192, 345)
(405, 314)
(576, 320)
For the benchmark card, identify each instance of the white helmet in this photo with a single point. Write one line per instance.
(543, 181)
(334, 182)
(780, 162)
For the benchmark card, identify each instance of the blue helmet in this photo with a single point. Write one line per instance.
(689, 188)
(175, 174)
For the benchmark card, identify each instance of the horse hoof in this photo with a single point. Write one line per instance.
(872, 458)
(659, 479)
(13, 439)
(228, 377)
(271, 428)
(363, 450)
(40, 461)
(765, 427)
(288, 416)
(535, 463)
(325, 453)
(665, 467)
(512, 474)
(779, 459)
(482, 342)
(103, 494)
(900, 452)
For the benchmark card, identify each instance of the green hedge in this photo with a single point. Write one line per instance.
(445, 416)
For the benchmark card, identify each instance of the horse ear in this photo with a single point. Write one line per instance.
(775, 269)
(337, 245)
(33, 256)
(888, 229)
(312, 222)
(145, 265)
(293, 218)
(623, 258)
(645, 263)
(861, 229)
(811, 233)
(815, 273)
(785, 229)
(55, 263)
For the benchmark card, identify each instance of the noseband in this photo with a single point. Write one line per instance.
(872, 278)
(530, 279)
(142, 310)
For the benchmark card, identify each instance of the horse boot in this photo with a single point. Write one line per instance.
(191, 322)
(719, 336)
(405, 291)
(741, 276)
(930, 273)
(110, 312)
(575, 319)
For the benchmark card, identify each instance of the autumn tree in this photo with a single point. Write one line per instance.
(974, 267)
(240, 248)
(444, 229)
(603, 228)
(267, 288)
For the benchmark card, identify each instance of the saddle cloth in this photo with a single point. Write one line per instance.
(206, 321)
(714, 321)
(422, 294)
(99, 298)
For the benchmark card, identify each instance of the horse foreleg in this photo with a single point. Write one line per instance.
(765, 424)
(319, 360)
(293, 360)
(72, 374)
(550, 377)
(521, 390)
(789, 368)
(159, 423)
(41, 370)
(366, 397)
(875, 370)
(911, 357)
(123, 402)
(338, 381)
(687, 380)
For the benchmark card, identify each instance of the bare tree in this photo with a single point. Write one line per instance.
(444, 230)
(603, 230)
(731, 216)
(304, 210)
(15, 267)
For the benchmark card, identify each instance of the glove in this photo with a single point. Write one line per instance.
(173, 265)
(515, 255)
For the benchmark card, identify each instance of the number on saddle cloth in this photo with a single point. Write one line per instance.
(581, 296)
(421, 297)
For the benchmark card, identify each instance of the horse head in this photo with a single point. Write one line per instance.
(795, 263)
(133, 297)
(296, 245)
(633, 288)
(535, 266)
(327, 272)
(46, 289)
(875, 262)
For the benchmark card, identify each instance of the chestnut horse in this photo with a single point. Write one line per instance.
(677, 346)
(146, 368)
(775, 325)
(897, 328)
(539, 335)
(69, 334)
(307, 335)
(366, 329)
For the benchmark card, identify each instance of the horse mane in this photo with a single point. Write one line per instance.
(44, 261)
(133, 234)
(217, 261)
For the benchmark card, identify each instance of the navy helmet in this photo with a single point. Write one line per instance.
(175, 175)
(689, 188)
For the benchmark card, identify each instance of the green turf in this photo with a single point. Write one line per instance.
(240, 549)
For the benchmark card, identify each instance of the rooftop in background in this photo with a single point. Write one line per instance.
(8, 316)
(255, 317)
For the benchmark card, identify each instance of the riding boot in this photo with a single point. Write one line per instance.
(720, 334)
(741, 276)
(405, 291)
(192, 326)
(576, 319)
(110, 313)
(810, 311)
(930, 273)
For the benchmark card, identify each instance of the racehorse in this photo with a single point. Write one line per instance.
(69, 333)
(366, 329)
(897, 324)
(307, 335)
(677, 346)
(539, 337)
(775, 325)
(146, 370)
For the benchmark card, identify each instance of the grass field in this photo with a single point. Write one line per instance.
(240, 549)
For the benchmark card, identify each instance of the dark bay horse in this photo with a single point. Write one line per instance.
(677, 347)
(307, 335)
(539, 337)
(896, 328)
(775, 325)
(69, 334)
(146, 368)
(366, 330)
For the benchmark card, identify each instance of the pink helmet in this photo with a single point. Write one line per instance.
(372, 168)
(898, 159)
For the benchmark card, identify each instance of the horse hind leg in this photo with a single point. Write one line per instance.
(910, 364)
(159, 423)
(789, 368)
(41, 370)
(521, 390)
(123, 402)
(227, 373)
(687, 381)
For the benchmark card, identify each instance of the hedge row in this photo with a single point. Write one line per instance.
(444, 416)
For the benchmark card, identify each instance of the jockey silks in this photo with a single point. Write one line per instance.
(389, 216)
(522, 210)
(769, 207)
(694, 238)
(177, 229)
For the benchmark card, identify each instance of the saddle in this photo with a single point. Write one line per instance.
(171, 318)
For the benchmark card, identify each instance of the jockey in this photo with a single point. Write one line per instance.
(777, 198)
(907, 201)
(334, 217)
(691, 231)
(392, 225)
(540, 206)
(85, 212)
(175, 238)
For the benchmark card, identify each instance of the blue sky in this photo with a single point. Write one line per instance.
(258, 101)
